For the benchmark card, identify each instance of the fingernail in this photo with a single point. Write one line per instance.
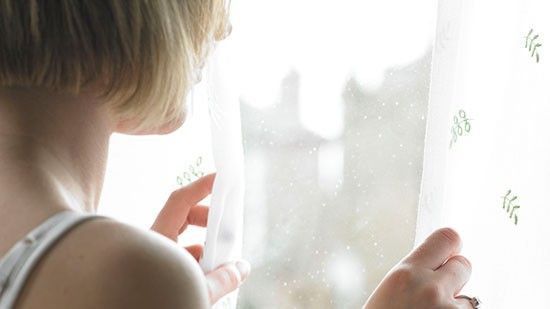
(244, 269)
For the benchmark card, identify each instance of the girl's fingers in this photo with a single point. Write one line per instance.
(436, 249)
(226, 278)
(455, 273)
(198, 216)
(195, 251)
(173, 215)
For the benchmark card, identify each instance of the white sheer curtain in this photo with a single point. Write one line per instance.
(224, 232)
(487, 156)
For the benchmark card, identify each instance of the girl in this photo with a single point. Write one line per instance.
(71, 74)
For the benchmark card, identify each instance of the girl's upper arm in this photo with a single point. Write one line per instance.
(153, 272)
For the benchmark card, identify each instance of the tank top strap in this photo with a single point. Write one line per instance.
(17, 264)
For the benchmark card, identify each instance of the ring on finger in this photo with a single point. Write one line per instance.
(474, 301)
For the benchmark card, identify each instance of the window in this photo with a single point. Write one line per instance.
(333, 104)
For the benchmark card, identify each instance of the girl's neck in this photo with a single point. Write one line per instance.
(53, 151)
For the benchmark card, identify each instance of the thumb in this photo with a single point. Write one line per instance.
(226, 278)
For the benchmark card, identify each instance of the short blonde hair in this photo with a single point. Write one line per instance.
(144, 54)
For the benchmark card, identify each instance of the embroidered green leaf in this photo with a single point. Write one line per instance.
(461, 125)
(527, 38)
(511, 207)
(193, 172)
(532, 45)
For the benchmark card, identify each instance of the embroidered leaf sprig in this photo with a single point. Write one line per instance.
(461, 125)
(193, 172)
(509, 204)
(533, 45)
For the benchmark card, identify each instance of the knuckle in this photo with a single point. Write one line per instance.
(464, 262)
(449, 235)
(402, 275)
(433, 293)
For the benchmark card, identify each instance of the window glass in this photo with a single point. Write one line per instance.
(334, 101)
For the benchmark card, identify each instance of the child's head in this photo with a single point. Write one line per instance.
(142, 56)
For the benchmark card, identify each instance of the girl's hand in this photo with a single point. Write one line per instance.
(429, 277)
(181, 210)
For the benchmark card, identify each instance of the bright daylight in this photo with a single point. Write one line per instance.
(274, 154)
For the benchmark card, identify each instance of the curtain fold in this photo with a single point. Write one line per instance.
(225, 219)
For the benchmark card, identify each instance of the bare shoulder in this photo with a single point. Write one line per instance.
(104, 263)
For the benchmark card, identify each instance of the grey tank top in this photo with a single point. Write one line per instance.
(20, 260)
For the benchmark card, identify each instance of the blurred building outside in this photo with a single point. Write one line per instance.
(327, 219)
